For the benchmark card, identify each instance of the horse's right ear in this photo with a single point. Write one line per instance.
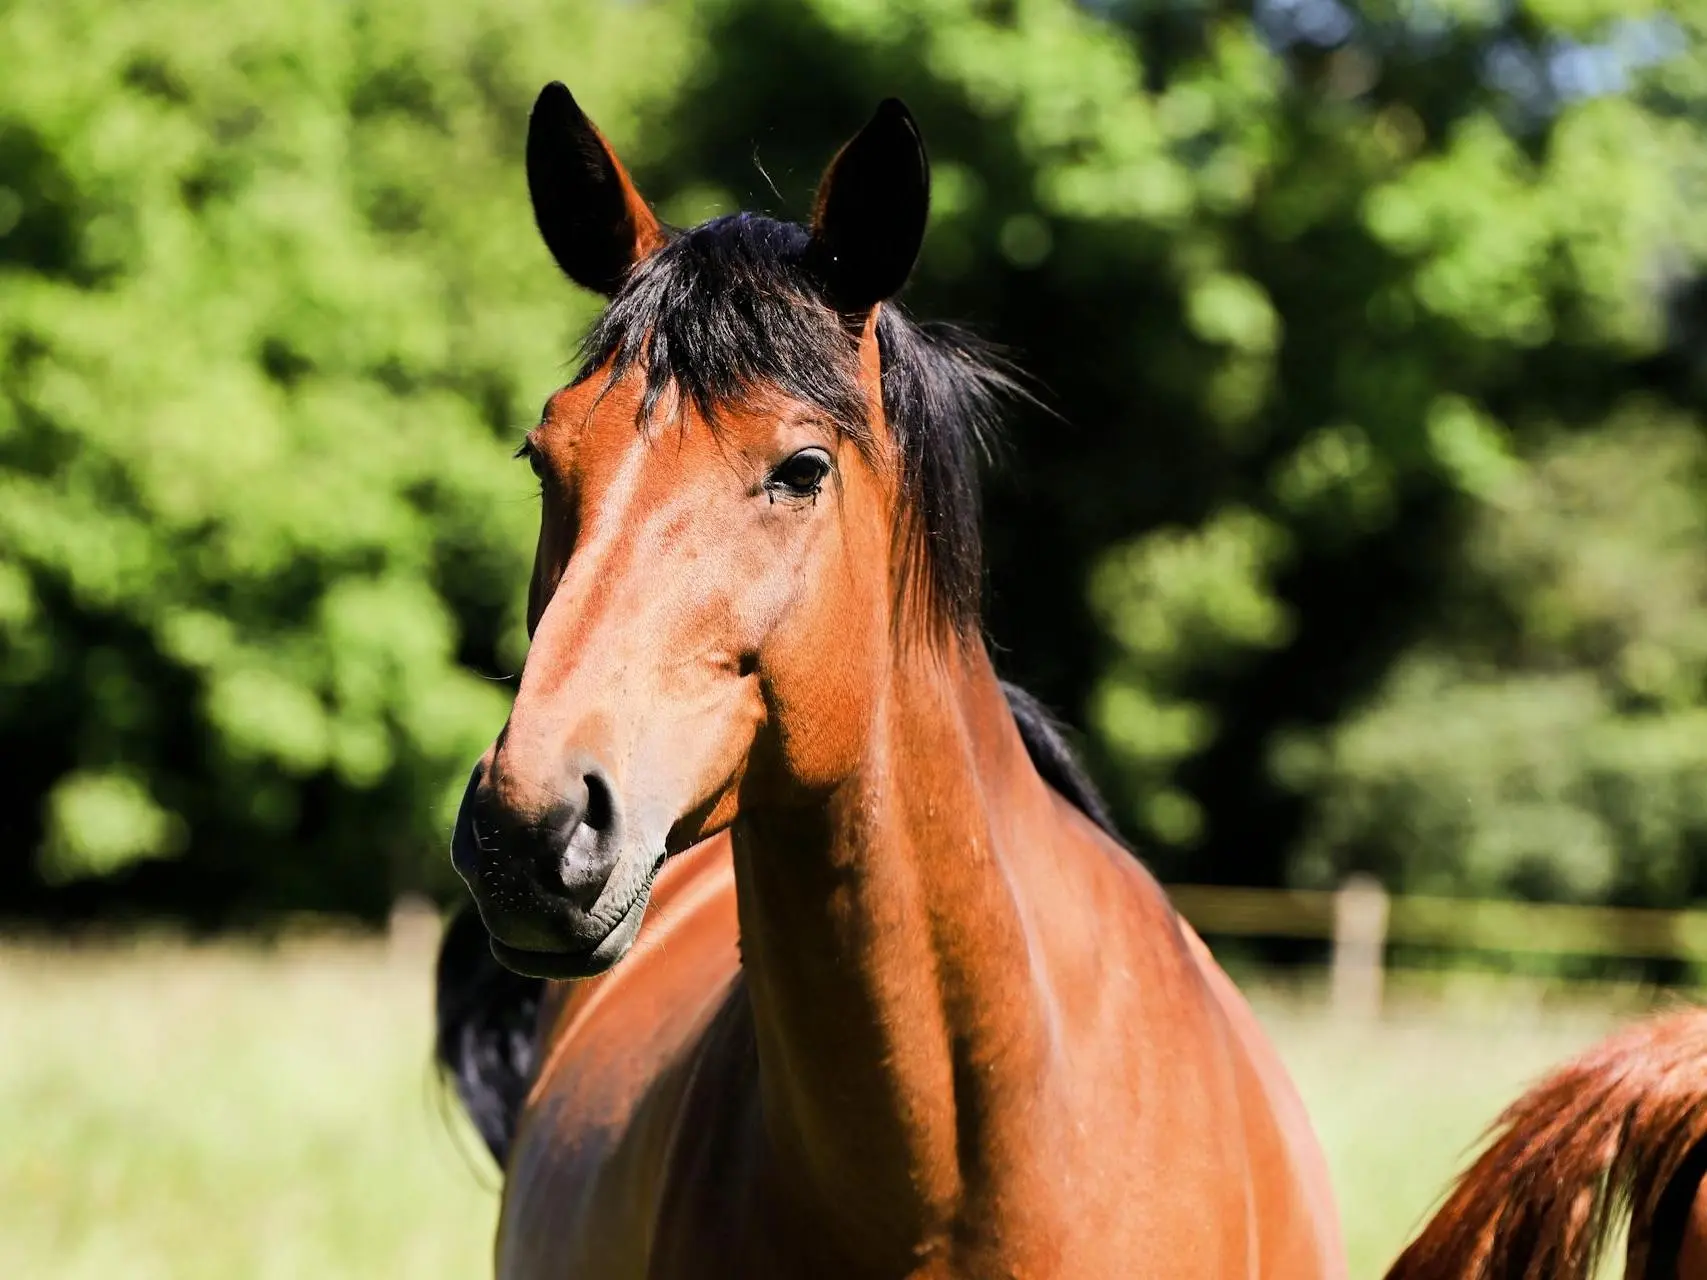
(593, 220)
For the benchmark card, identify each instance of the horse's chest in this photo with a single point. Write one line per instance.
(574, 1201)
(665, 1198)
(636, 1165)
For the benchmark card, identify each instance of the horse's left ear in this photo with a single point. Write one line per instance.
(869, 219)
(594, 221)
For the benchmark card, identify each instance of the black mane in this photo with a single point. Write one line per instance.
(729, 309)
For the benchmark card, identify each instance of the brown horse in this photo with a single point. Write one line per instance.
(895, 1001)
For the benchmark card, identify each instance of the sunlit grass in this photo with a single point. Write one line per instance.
(186, 1112)
(230, 1111)
(1400, 1104)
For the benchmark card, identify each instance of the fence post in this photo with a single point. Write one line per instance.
(1360, 943)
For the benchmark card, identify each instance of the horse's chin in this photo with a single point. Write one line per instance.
(580, 962)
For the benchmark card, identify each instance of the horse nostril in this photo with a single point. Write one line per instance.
(600, 810)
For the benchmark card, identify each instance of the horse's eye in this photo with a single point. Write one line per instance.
(801, 476)
(532, 455)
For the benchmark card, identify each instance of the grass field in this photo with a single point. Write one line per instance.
(227, 1111)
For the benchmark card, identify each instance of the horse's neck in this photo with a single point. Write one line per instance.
(888, 961)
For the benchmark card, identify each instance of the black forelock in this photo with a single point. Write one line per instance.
(728, 310)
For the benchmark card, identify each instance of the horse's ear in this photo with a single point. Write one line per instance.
(869, 219)
(594, 222)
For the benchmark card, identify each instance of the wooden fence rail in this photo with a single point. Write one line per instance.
(1360, 919)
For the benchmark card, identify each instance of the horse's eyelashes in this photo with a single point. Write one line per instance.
(800, 476)
(526, 450)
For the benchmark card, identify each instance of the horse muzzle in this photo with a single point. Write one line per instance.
(561, 891)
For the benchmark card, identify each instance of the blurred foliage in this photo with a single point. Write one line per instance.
(1370, 532)
(1549, 738)
(272, 315)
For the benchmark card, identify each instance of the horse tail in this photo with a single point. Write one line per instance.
(485, 1045)
(1620, 1131)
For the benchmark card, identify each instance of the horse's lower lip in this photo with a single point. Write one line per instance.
(588, 963)
(549, 964)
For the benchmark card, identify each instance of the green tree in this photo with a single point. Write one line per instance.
(272, 314)
(1314, 286)
(1547, 737)
(1366, 530)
